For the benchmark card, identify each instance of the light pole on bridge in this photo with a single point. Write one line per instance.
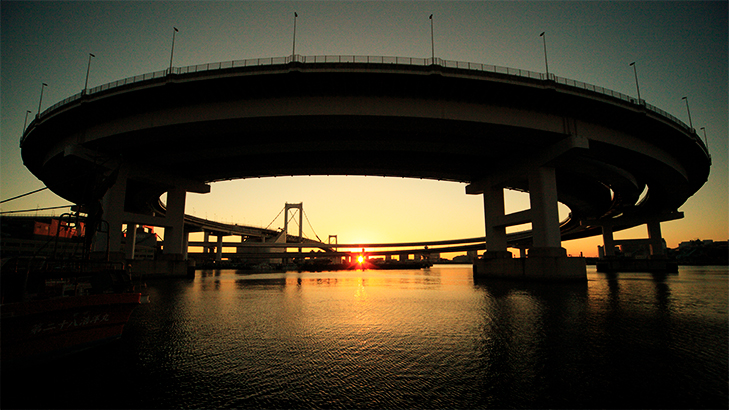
(88, 69)
(544, 43)
(691, 124)
(172, 53)
(293, 51)
(635, 72)
(432, 40)
(25, 124)
(41, 99)
(706, 140)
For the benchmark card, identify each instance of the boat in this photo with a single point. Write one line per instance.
(55, 303)
(55, 312)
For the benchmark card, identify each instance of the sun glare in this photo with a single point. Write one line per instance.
(360, 259)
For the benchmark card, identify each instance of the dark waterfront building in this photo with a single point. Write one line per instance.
(27, 237)
(44, 236)
(702, 252)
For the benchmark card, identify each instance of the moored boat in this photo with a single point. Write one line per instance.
(47, 328)
(61, 309)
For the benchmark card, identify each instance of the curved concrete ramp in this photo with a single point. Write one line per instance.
(590, 148)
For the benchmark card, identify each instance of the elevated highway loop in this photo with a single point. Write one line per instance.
(402, 248)
(195, 224)
(592, 149)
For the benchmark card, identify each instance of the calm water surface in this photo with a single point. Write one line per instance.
(404, 339)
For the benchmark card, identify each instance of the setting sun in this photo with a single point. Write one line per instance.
(360, 259)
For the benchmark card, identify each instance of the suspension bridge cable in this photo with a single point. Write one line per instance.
(35, 209)
(297, 224)
(292, 219)
(312, 228)
(274, 219)
(20, 196)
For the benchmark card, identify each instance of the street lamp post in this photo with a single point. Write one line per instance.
(293, 51)
(432, 40)
(172, 53)
(88, 68)
(25, 124)
(637, 88)
(691, 124)
(544, 43)
(41, 99)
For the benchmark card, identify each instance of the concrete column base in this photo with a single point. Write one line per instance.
(547, 252)
(652, 265)
(497, 255)
(542, 264)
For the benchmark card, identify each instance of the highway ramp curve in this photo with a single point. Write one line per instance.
(617, 160)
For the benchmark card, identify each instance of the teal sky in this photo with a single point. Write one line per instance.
(680, 49)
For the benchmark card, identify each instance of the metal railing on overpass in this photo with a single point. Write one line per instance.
(379, 60)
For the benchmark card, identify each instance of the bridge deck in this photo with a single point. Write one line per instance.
(353, 116)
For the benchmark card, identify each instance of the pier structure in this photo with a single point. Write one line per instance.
(655, 261)
(615, 161)
(546, 258)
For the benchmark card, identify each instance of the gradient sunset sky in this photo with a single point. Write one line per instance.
(680, 49)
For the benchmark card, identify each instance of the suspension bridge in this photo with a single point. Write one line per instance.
(258, 244)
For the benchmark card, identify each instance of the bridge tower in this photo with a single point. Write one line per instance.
(296, 207)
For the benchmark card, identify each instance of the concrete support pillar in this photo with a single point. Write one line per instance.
(185, 245)
(658, 261)
(546, 260)
(175, 218)
(113, 211)
(219, 249)
(656, 239)
(206, 242)
(493, 205)
(131, 240)
(545, 214)
(608, 240)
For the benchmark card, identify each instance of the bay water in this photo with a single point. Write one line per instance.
(429, 338)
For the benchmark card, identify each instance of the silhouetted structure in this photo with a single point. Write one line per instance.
(592, 149)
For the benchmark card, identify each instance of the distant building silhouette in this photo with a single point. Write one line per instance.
(702, 252)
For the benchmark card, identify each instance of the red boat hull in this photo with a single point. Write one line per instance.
(46, 328)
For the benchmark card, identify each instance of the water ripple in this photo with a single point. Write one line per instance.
(409, 339)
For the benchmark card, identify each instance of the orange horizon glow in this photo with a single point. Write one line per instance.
(394, 212)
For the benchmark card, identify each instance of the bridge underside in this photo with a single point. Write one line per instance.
(491, 131)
